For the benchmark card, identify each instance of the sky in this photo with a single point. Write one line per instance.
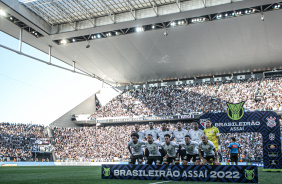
(34, 92)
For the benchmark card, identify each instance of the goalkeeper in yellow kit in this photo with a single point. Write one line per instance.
(213, 135)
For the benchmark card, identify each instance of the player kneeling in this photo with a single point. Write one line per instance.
(169, 148)
(154, 154)
(136, 145)
(191, 150)
(210, 153)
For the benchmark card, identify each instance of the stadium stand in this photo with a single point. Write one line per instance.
(207, 97)
(109, 143)
(16, 140)
(101, 144)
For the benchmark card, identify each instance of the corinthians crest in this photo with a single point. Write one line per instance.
(271, 122)
(271, 136)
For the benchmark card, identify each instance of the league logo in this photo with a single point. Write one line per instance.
(271, 122)
(271, 137)
(249, 174)
(106, 172)
(235, 111)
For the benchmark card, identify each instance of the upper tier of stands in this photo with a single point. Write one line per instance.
(206, 97)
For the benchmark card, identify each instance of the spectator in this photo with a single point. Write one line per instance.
(15, 139)
(183, 99)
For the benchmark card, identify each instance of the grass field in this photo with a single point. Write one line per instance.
(90, 174)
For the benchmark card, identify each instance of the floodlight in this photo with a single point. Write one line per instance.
(64, 41)
(2, 13)
(139, 29)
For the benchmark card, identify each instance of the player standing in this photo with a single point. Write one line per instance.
(179, 136)
(140, 133)
(154, 132)
(196, 135)
(162, 134)
(234, 149)
(213, 134)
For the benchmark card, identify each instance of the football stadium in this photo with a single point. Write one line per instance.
(184, 91)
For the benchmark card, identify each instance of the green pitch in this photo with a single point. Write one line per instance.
(88, 174)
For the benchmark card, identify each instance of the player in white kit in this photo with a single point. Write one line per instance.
(136, 152)
(196, 135)
(170, 149)
(153, 148)
(162, 134)
(154, 132)
(191, 148)
(140, 133)
(179, 136)
(210, 153)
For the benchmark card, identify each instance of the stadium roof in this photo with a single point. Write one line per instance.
(64, 11)
(126, 42)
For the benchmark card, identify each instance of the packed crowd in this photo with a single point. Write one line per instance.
(110, 142)
(91, 143)
(15, 139)
(251, 145)
(258, 94)
(101, 143)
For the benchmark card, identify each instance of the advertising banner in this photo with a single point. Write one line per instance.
(265, 122)
(143, 118)
(208, 173)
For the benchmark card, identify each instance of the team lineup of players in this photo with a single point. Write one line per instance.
(200, 147)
